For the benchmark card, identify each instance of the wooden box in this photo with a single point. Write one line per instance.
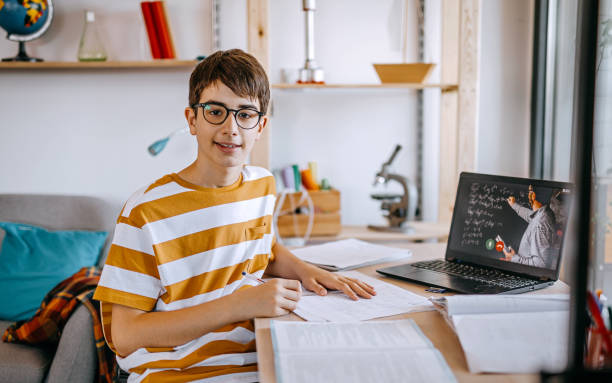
(412, 73)
(326, 214)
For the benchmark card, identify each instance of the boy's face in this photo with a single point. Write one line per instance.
(226, 145)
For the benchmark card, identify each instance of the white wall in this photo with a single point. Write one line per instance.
(86, 131)
(505, 87)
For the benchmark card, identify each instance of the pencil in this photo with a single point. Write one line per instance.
(249, 276)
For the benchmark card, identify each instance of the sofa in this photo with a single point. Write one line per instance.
(74, 359)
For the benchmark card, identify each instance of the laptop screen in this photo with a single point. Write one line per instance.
(514, 224)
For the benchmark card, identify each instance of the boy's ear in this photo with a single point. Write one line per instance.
(190, 116)
(261, 126)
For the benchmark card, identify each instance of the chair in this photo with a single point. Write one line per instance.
(75, 358)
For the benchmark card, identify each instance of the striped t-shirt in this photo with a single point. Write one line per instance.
(177, 245)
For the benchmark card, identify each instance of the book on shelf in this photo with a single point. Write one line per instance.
(158, 29)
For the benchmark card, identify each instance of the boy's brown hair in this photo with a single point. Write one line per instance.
(238, 70)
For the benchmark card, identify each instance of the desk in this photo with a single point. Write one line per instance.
(422, 231)
(431, 323)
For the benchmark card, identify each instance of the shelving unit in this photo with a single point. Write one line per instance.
(98, 64)
(443, 87)
(460, 90)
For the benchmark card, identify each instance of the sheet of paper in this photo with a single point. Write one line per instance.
(337, 307)
(381, 351)
(514, 342)
(349, 253)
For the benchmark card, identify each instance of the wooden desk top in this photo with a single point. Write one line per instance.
(422, 231)
(431, 323)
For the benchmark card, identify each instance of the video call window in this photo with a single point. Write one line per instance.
(523, 224)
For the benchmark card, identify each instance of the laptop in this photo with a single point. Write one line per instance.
(506, 236)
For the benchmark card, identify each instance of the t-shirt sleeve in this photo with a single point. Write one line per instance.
(130, 276)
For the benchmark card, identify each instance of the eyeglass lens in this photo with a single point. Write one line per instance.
(245, 118)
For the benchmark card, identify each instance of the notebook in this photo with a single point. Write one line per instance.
(506, 236)
(347, 254)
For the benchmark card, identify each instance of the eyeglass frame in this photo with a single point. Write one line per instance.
(228, 110)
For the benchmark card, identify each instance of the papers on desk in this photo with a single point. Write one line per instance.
(349, 254)
(337, 307)
(380, 351)
(510, 333)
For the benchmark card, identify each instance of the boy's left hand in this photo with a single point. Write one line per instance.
(318, 280)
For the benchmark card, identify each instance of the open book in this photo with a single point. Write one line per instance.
(379, 351)
(510, 333)
(349, 254)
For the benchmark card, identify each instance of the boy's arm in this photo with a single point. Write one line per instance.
(133, 328)
(287, 265)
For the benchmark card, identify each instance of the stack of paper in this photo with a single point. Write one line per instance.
(337, 307)
(510, 333)
(349, 254)
(380, 351)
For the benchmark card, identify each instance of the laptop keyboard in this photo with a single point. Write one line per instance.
(475, 273)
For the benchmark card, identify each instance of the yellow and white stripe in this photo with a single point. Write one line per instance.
(177, 245)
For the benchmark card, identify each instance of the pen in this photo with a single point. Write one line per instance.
(249, 276)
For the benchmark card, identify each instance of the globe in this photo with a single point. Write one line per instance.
(25, 20)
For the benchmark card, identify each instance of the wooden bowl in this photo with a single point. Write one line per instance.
(413, 72)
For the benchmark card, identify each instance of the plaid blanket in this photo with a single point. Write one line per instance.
(46, 326)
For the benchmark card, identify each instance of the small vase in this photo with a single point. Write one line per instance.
(91, 47)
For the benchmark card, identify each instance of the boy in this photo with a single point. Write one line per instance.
(175, 304)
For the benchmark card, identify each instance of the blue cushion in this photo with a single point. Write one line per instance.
(34, 260)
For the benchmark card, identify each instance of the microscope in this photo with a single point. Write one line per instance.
(401, 207)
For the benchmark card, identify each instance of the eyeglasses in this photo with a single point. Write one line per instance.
(216, 114)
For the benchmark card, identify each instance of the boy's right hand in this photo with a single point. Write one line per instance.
(273, 298)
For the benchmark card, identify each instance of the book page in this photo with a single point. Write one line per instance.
(337, 307)
(312, 336)
(402, 365)
(349, 253)
(380, 351)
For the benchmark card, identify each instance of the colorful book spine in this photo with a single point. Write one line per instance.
(147, 15)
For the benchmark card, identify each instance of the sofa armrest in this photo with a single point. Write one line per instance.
(75, 359)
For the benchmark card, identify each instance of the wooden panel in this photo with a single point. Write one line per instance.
(606, 221)
(326, 214)
(153, 64)
(448, 110)
(469, 60)
(324, 201)
(294, 225)
(447, 87)
(258, 45)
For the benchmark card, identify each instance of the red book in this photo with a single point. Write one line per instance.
(163, 33)
(147, 14)
(169, 28)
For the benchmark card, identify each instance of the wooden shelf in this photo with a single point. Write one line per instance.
(443, 87)
(153, 64)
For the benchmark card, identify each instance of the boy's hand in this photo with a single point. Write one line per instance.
(317, 280)
(273, 298)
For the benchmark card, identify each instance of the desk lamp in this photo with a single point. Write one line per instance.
(159, 145)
